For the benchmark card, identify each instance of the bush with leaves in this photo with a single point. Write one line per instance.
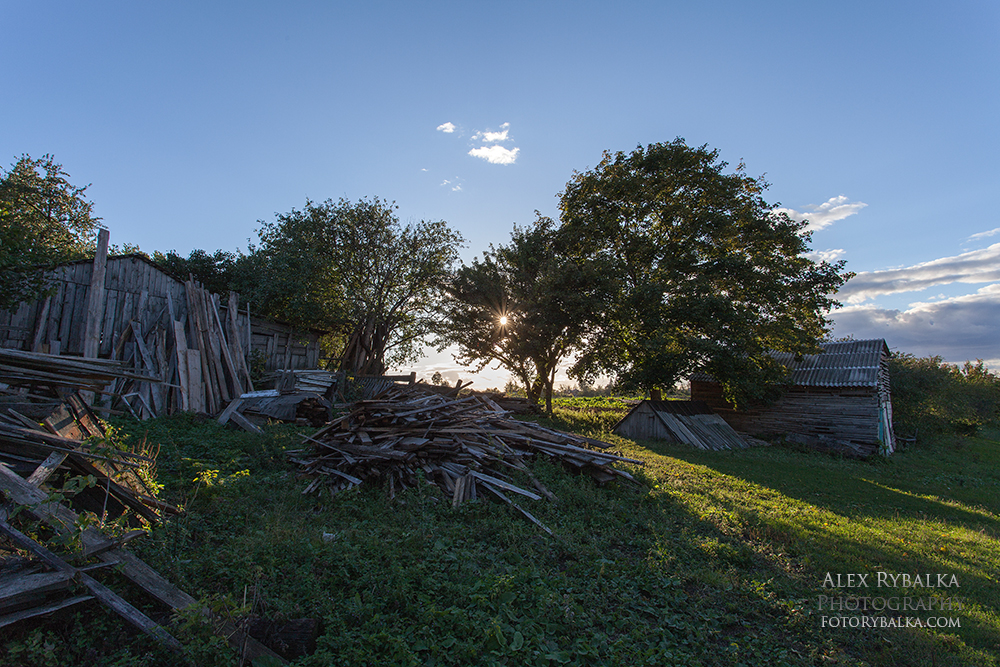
(931, 396)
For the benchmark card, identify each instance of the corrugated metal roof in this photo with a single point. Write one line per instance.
(848, 364)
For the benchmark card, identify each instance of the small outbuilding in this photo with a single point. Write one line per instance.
(839, 398)
(690, 422)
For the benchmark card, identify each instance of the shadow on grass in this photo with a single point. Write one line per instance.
(847, 516)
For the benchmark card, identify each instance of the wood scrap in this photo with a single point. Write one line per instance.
(97, 589)
(466, 446)
(36, 506)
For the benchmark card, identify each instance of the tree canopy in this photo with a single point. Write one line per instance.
(707, 276)
(44, 220)
(525, 305)
(353, 271)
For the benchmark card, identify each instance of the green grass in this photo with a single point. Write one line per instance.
(717, 558)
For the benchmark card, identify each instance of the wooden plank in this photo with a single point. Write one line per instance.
(233, 406)
(199, 329)
(46, 468)
(99, 590)
(63, 422)
(19, 589)
(181, 353)
(161, 392)
(64, 520)
(25, 614)
(95, 302)
(110, 325)
(196, 387)
(236, 340)
(41, 325)
(244, 423)
(227, 357)
(67, 306)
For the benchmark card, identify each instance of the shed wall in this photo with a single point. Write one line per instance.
(643, 424)
(844, 413)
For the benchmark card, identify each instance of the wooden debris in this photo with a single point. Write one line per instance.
(97, 589)
(36, 506)
(466, 446)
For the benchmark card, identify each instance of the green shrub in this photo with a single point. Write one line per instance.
(932, 397)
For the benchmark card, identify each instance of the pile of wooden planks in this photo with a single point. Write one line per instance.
(212, 370)
(34, 369)
(466, 446)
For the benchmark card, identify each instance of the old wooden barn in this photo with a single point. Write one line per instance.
(690, 422)
(839, 397)
(127, 308)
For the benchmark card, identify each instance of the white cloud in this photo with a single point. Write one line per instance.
(457, 188)
(958, 329)
(824, 215)
(447, 128)
(496, 154)
(826, 255)
(983, 235)
(488, 137)
(976, 266)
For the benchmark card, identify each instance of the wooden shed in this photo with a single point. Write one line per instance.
(198, 347)
(840, 395)
(137, 289)
(690, 422)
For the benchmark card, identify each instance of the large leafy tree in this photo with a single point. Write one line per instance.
(525, 305)
(44, 220)
(708, 277)
(352, 270)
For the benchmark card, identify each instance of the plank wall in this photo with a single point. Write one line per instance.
(136, 290)
(843, 413)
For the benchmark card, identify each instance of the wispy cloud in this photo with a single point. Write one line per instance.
(983, 235)
(959, 328)
(488, 137)
(824, 215)
(496, 154)
(826, 255)
(976, 266)
(447, 128)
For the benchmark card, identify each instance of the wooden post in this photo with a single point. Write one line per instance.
(95, 302)
(41, 325)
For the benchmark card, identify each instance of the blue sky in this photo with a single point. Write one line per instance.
(876, 120)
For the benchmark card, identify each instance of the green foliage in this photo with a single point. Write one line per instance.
(353, 271)
(932, 397)
(217, 272)
(44, 220)
(526, 305)
(707, 275)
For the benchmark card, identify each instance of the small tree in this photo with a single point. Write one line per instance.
(44, 220)
(353, 271)
(525, 305)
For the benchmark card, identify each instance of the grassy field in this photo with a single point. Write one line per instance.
(715, 558)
